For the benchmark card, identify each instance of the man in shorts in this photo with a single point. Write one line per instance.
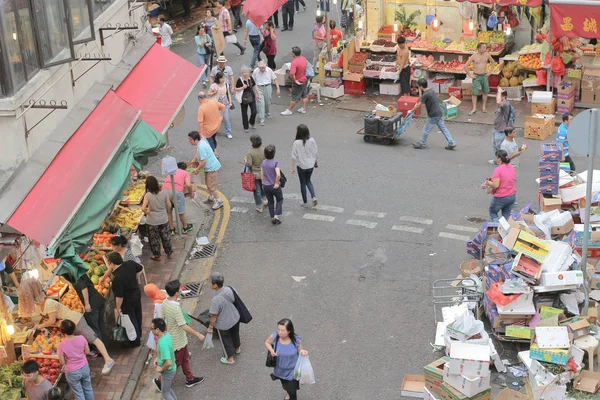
(480, 75)
(207, 160)
(300, 86)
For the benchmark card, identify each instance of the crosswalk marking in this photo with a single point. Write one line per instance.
(454, 236)
(373, 214)
(462, 228)
(358, 222)
(329, 208)
(418, 220)
(407, 229)
(239, 209)
(318, 217)
(241, 200)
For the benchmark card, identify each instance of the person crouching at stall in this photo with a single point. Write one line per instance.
(56, 311)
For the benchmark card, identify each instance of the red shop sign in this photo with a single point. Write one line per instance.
(575, 19)
(529, 3)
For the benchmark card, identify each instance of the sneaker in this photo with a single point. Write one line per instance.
(246, 130)
(157, 384)
(172, 232)
(107, 368)
(262, 122)
(243, 51)
(291, 29)
(210, 200)
(265, 203)
(229, 136)
(196, 381)
(418, 146)
(204, 83)
(297, 12)
(516, 204)
(268, 116)
(304, 8)
(218, 204)
(188, 228)
(450, 147)
(286, 112)
(315, 202)
(492, 162)
(302, 111)
(252, 127)
(284, 29)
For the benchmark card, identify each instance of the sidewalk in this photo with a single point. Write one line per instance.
(121, 382)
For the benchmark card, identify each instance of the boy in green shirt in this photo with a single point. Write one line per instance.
(165, 358)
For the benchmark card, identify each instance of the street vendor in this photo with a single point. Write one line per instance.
(403, 66)
(55, 311)
(480, 75)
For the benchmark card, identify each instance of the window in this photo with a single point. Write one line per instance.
(82, 20)
(53, 31)
(10, 43)
(100, 6)
(26, 38)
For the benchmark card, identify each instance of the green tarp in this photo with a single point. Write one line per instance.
(141, 143)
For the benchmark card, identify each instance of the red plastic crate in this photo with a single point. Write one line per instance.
(494, 80)
(407, 103)
(355, 88)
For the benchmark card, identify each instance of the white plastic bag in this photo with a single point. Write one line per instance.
(129, 328)
(151, 342)
(208, 343)
(136, 245)
(307, 376)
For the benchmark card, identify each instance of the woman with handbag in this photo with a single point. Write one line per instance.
(128, 296)
(304, 160)
(284, 348)
(246, 93)
(219, 91)
(255, 157)
(204, 49)
(270, 44)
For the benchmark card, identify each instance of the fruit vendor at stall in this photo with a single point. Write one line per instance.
(6, 266)
(480, 75)
(403, 66)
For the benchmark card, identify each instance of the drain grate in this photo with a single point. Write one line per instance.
(194, 289)
(205, 251)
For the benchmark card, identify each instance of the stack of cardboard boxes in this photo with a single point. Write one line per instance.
(590, 86)
(549, 168)
(540, 124)
(566, 97)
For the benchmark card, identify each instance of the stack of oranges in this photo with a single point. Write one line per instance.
(46, 345)
(71, 300)
(530, 61)
(103, 287)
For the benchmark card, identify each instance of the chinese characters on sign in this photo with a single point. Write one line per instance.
(574, 20)
(589, 25)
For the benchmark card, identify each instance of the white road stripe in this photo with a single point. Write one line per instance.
(292, 196)
(462, 228)
(239, 209)
(454, 236)
(373, 214)
(407, 229)
(418, 220)
(317, 217)
(241, 200)
(358, 222)
(329, 208)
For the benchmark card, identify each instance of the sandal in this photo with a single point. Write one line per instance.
(472, 112)
(225, 361)
(155, 258)
(259, 210)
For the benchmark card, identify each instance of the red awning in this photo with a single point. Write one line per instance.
(159, 85)
(580, 18)
(528, 3)
(56, 196)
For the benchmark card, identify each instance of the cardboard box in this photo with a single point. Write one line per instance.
(455, 91)
(332, 93)
(537, 127)
(552, 337)
(546, 109)
(531, 246)
(554, 356)
(564, 229)
(449, 107)
(413, 386)
(428, 395)
(566, 103)
(407, 103)
(551, 167)
(565, 90)
(595, 283)
(521, 332)
(579, 328)
(561, 278)
(587, 381)
(574, 73)
(389, 88)
(467, 86)
(353, 77)
(391, 111)
(588, 96)
(449, 393)
(434, 375)
(551, 152)
(590, 79)
(469, 359)
(550, 203)
(467, 385)
(523, 305)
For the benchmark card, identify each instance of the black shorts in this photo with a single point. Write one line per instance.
(300, 91)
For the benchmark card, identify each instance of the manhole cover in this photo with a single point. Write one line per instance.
(194, 289)
(205, 251)
(477, 220)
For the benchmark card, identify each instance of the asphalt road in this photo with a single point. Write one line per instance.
(394, 220)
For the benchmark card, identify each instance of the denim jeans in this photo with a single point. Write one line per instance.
(80, 383)
(166, 383)
(272, 195)
(255, 42)
(258, 194)
(502, 203)
(264, 105)
(439, 121)
(304, 175)
(497, 139)
(213, 142)
(203, 60)
(226, 120)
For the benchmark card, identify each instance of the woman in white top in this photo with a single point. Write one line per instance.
(219, 91)
(304, 160)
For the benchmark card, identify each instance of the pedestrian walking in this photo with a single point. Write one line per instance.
(502, 186)
(226, 26)
(512, 148)
(270, 44)
(403, 66)
(236, 11)
(434, 116)
(254, 34)
(219, 91)
(300, 88)
(319, 36)
(128, 296)
(209, 22)
(183, 185)
(480, 76)
(165, 31)
(225, 70)
(187, 9)
(286, 345)
(253, 160)
(210, 116)
(264, 77)
(274, 18)
(72, 351)
(287, 16)
(224, 317)
(165, 358)
(156, 206)
(335, 35)
(178, 326)
(207, 160)
(298, 2)
(249, 93)
(563, 141)
(36, 386)
(270, 175)
(203, 49)
(304, 160)
(501, 122)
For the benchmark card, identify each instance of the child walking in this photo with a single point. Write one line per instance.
(165, 358)
(71, 353)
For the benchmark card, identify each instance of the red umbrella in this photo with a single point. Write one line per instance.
(258, 11)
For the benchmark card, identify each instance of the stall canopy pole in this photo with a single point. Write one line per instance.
(174, 199)
(549, 73)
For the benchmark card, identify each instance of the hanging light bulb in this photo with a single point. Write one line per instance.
(471, 25)
(436, 23)
(360, 24)
(334, 2)
(10, 329)
(318, 13)
(507, 29)
(14, 35)
(395, 27)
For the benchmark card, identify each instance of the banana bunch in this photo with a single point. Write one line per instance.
(135, 192)
(128, 219)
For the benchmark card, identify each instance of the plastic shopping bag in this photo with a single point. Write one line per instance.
(208, 343)
(151, 342)
(298, 368)
(129, 328)
(307, 375)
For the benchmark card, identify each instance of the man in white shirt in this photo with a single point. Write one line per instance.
(264, 77)
(165, 32)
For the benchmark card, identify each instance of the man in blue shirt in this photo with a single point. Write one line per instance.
(207, 160)
(253, 32)
(561, 138)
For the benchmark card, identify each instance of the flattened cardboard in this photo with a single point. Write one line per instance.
(413, 386)
(449, 393)
(509, 394)
(587, 381)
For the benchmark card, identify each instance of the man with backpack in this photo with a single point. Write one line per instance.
(503, 117)
(301, 72)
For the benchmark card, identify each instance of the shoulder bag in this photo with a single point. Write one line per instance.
(282, 179)
(248, 183)
(245, 315)
(239, 94)
(272, 361)
(248, 96)
(118, 333)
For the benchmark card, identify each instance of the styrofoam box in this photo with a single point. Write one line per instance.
(541, 97)
(389, 88)
(467, 385)
(332, 93)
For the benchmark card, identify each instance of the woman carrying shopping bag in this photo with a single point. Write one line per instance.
(247, 93)
(286, 347)
(304, 160)
(255, 156)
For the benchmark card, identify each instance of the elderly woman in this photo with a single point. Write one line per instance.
(502, 185)
(249, 91)
(156, 206)
(224, 317)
